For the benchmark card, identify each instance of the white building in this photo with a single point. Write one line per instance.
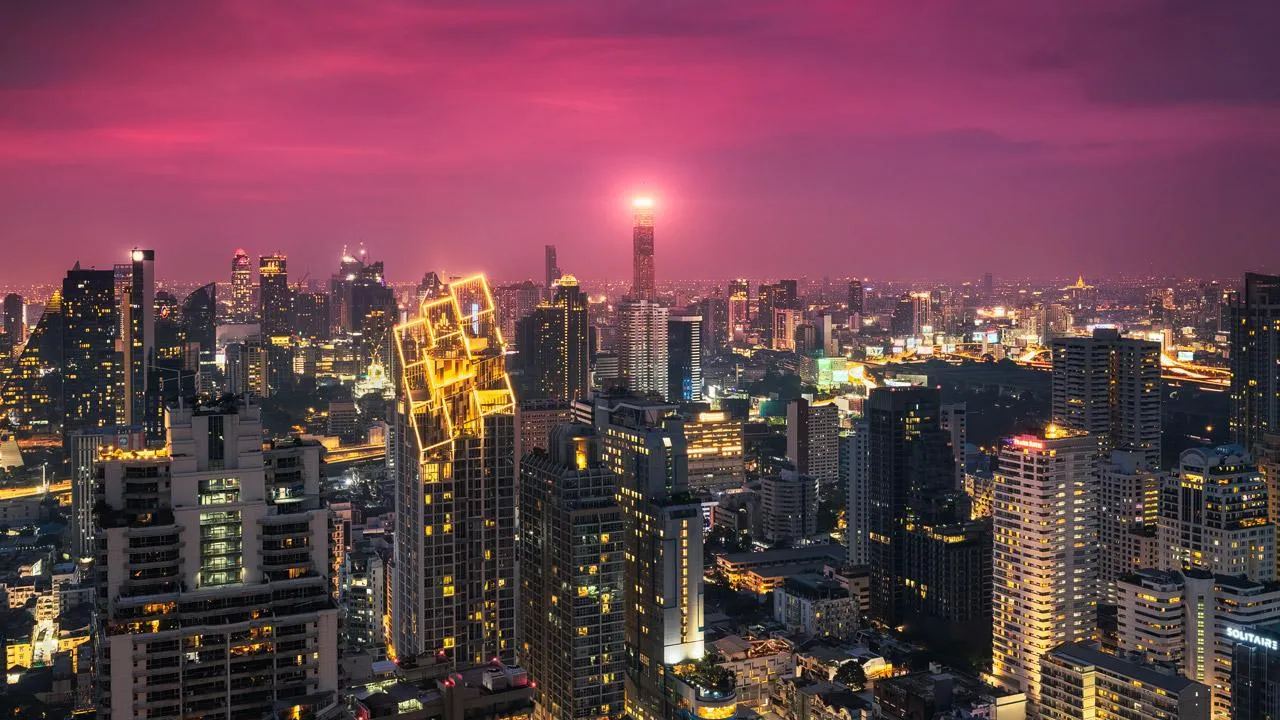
(1081, 681)
(1187, 621)
(1045, 574)
(214, 592)
(789, 506)
(1130, 506)
(853, 461)
(642, 349)
(1213, 515)
(813, 437)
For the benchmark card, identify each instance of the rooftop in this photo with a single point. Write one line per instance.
(1085, 654)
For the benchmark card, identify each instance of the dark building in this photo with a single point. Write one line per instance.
(311, 315)
(778, 296)
(715, 323)
(1255, 672)
(32, 392)
(552, 269)
(14, 327)
(141, 400)
(1255, 361)
(644, 283)
(910, 487)
(553, 345)
(904, 316)
(571, 558)
(857, 298)
(275, 296)
(90, 363)
(200, 331)
(684, 358)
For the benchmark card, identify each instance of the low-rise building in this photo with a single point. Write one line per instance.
(761, 572)
(1078, 680)
(757, 664)
(817, 606)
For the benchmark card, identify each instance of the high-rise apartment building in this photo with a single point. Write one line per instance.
(645, 448)
(213, 581)
(454, 577)
(857, 299)
(1255, 360)
(90, 362)
(1213, 515)
(31, 392)
(739, 309)
(855, 474)
(1110, 386)
(515, 301)
(14, 326)
(813, 437)
(275, 297)
(1045, 584)
(789, 506)
(684, 358)
(553, 345)
(909, 487)
(1081, 681)
(955, 423)
(141, 399)
(1192, 621)
(571, 575)
(643, 285)
(716, 330)
(1129, 518)
(643, 350)
(241, 288)
(715, 442)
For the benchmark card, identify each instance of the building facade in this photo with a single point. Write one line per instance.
(1129, 519)
(1255, 360)
(643, 350)
(1081, 681)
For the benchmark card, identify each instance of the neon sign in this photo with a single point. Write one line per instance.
(1251, 638)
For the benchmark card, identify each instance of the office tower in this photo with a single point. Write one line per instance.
(514, 302)
(783, 332)
(1081, 681)
(1255, 360)
(15, 326)
(453, 587)
(902, 322)
(909, 474)
(551, 266)
(311, 315)
(1129, 517)
(1190, 620)
(571, 577)
(90, 363)
(275, 296)
(777, 296)
(714, 312)
(855, 474)
(922, 315)
(1255, 673)
(31, 393)
(789, 505)
(553, 345)
(1046, 551)
(739, 309)
(213, 584)
(947, 563)
(643, 348)
(644, 446)
(535, 419)
(857, 300)
(715, 446)
(813, 435)
(241, 288)
(138, 341)
(643, 284)
(684, 358)
(955, 423)
(1110, 386)
(988, 286)
(199, 320)
(1213, 515)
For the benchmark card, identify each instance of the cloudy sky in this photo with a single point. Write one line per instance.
(890, 139)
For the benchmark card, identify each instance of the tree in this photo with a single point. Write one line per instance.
(851, 675)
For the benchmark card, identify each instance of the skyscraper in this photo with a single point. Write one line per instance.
(32, 391)
(789, 506)
(217, 577)
(1255, 361)
(739, 317)
(571, 576)
(515, 301)
(1083, 681)
(14, 321)
(199, 322)
(1046, 551)
(715, 319)
(138, 322)
(552, 268)
(643, 285)
(1110, 386)
(854, 473)
(453, 586)
(90, 363)
(857, 299)
(241, 287)
(684, 358)
(645, 448)
(553, 345)
(1130, 508)
(643, 348)
(1213, 515)
(813, 437)
(275, 297)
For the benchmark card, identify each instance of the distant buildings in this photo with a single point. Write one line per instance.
(1255, 360)
(1110, 386)
(1129, 510)
(275, 296)
(1045, 585)
(242, 288)
(89, 362)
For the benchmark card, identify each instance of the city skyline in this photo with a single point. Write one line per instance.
(1096, 136)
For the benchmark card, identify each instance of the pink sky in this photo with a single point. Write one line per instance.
(929, 139)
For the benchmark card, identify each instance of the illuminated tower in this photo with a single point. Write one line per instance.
(90, 362)
(643, 286)
(1255, 361)
(553, 345)
(241, 287)
(274, 295)
(739, 318)
(453, 587)
(1045, 589)
(138, 343)
(643, 349)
